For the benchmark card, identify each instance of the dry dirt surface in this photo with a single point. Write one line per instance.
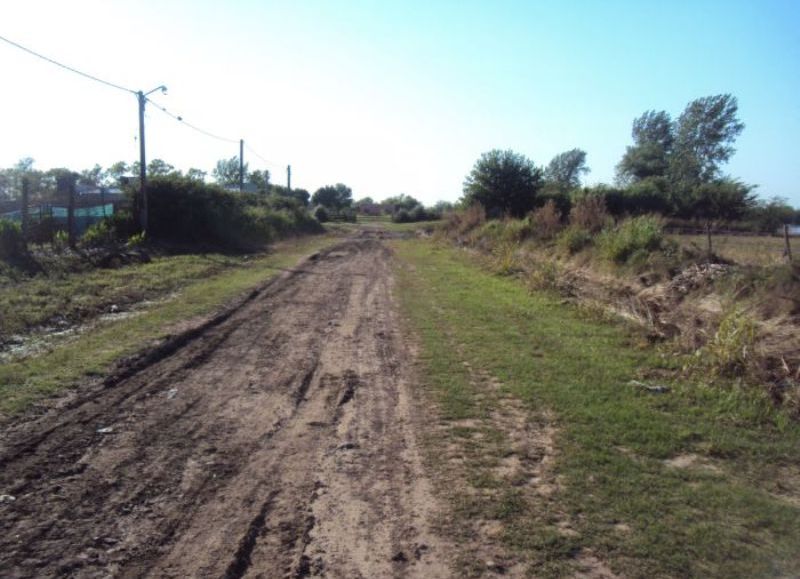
(278, 441)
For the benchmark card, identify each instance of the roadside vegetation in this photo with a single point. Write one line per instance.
(569, 441)
(608, 248)
(59, 331)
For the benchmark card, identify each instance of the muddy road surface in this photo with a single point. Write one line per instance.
(279, 441)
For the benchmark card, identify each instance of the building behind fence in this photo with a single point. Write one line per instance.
(48, 208)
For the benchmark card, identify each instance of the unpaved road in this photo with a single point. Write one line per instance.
(280, 442)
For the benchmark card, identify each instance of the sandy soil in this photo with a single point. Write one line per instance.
(279, 441)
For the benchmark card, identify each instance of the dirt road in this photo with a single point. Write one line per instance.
(279, 442)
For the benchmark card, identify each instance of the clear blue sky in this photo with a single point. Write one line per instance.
(396, 97)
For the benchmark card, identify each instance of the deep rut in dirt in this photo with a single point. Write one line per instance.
(279, 441)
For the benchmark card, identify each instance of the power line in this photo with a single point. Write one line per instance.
(64, 66)
(267, 161)
(181, 120)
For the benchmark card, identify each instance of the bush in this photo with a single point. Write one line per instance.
(98, 234)
(185, 211)
(546, 220)
(729, 352)
(462, 222)
(12, 244)
(321, 214)
(633, 237)
(574, 238)
(136, 240)
(60, 240)
(589, 214)
(411, 214)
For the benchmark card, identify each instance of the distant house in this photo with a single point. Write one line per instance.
(248, 188)
(369, 209)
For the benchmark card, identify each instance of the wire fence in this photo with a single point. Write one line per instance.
(45, 207)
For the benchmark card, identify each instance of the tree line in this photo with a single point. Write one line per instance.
(673, 168)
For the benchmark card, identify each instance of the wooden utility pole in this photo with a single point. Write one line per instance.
(142, 165)
(241, 164)
(288, 177)
(788, 251)
(24, 208)
(141, 96)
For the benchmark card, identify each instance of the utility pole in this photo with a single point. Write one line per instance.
(288, 178)
(241, 164)
(142, 98)
(142, 165)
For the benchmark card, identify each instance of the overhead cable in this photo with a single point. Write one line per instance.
(64, 66)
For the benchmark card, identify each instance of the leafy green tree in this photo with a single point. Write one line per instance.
(117, 171)
(159, 167)
(721, 200)
(649, 156)
(503, 182)
(11, 178)
(704, 136)
(335, 197)
(769, 215)
(93, 177)
(226, 171)
(196, 174)
(260, 179)
(392, 204)
(565, 169)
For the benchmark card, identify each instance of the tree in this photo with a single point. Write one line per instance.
(769, 215)
(565, 169)
(503, 182)
(260, 179)
(94, 177)
(335, 197)
(196, 175)
(653, 140)
(722, 200)
(117, 171)
(158, 167)
(704, 136)
(402, 201)
(227, 171)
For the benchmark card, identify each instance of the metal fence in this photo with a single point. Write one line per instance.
(44, 208)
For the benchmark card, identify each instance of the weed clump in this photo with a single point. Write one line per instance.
(632, 239)
(728, 353)
(573, 239)
(589, 214)
(12, 244)
(546, 220)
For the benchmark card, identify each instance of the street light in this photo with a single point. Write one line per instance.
(142, 97)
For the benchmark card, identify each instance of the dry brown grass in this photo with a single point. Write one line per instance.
(742, 249)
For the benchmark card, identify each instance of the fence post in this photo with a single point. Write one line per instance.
(71, 213)
(788, 251)
(24, 208)
(708, 234)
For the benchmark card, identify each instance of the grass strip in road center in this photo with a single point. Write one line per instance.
(94, 350)
(692, 482)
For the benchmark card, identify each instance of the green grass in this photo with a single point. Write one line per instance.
(381, 222)
(612, 437)
(78, 295)
(202, 283)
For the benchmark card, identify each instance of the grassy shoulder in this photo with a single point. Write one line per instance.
(197, 285)
(692, 482)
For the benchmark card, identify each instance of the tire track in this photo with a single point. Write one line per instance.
(275, 440)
